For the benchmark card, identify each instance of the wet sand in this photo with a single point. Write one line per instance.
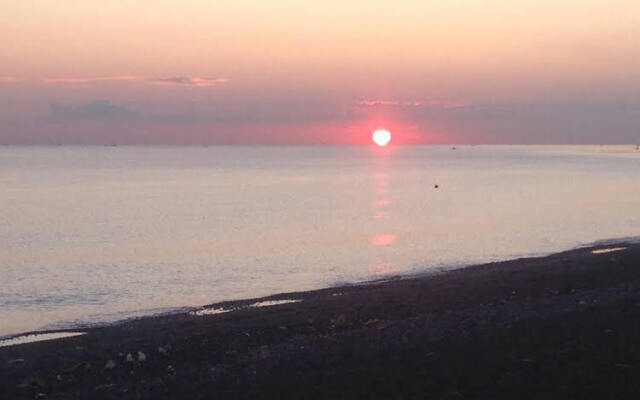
(562, 326)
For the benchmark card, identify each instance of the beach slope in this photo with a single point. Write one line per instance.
(561, 326)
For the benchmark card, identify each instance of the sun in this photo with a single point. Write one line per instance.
(381, 137)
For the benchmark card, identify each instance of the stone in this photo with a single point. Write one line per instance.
(110, 364)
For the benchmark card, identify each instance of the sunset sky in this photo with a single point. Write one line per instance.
(292, 72)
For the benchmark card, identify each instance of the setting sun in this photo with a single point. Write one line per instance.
(381, 137)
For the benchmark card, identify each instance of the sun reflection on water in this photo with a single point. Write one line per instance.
(383, 238)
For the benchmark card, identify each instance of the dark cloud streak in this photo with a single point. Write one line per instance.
(98, 110)
(251, 119)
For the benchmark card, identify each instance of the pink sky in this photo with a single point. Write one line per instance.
(283, 71)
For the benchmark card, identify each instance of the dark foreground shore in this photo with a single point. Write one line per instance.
(563, 326)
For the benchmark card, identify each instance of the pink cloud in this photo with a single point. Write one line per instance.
(378, 103)
(9, 79)
(184, 81)
(86, 81)
(188, 81)
(412, 103)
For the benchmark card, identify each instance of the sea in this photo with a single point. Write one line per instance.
(94, 235)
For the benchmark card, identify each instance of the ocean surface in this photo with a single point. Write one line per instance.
(97, 234)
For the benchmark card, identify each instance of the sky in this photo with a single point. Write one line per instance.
(329, 72)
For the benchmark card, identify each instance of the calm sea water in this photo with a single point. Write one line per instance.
(96, 234)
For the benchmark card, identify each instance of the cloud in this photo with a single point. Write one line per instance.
(98, 110)
(9, 79)
(184, 81)
(188, 81)
(262, 120)
(88, 81)
(412, 103)
(378, 103)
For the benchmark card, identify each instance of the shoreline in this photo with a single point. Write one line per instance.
(352, 335)
(169, 311)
